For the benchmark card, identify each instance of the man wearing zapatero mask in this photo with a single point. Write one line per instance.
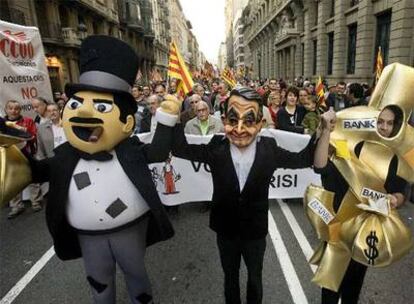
(242, 165)
(103, 205)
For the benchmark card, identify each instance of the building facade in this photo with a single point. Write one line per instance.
(64, 24)
(336, 39)
(238, 41)
(161, 28)
(222, 56)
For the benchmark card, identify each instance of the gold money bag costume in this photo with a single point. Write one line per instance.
(365, 228)
(14, 168)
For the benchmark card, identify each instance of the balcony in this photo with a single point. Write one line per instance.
(285, 35)
(70, 36)
(98, 6)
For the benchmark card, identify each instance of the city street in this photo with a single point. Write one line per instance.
(186, 269)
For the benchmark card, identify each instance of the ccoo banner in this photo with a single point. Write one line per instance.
(179, 181)
(23, 71)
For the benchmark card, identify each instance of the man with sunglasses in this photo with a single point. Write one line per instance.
(242, 165)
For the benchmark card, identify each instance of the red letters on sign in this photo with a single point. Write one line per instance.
(29, 93)
(10, 48)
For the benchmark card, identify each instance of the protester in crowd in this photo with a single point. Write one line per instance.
(223, 94)
(303, 96)
(172, 88)
(61, 104)
(242, 167)
(160, 90)
(142, 107)
(312, 117)
(274, 102)
(267, 119)
(355, 95)
(137, 93)
(148, 121)
(190, 113)
(39, 106)
(203, 123)
(146, 91)
(57, 95)
(290, 117)
(26, 124)
(199, 89)
(273, 86)
(50, 134)
(388, 124)
(214, 92)
(338, 99)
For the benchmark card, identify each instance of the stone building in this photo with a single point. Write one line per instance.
(337, 39)
(238, 41)
(179, 28)
(161, 27)
(222, 56)
(64, 24)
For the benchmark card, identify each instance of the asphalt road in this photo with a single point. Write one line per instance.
(186, 269)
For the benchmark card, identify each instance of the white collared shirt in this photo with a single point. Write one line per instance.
(243, 161)
(59, 136)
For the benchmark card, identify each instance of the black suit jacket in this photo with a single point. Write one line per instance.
(236, 214)
(133, 156)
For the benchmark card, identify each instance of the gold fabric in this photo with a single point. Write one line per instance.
(368, 237)
(15, 173)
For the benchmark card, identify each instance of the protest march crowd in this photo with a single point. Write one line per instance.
(213, 106)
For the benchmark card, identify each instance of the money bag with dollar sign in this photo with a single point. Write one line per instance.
(365, 228)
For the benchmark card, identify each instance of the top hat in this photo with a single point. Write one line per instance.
(10, 135)
(107, 65)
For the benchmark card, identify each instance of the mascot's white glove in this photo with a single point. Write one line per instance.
(169, 110)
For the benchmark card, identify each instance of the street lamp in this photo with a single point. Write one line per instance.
(259, 58)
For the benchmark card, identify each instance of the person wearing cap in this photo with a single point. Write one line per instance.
(102, 204)
(242, 165)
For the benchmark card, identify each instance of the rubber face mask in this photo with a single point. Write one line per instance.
(242, 122)
(91, 122)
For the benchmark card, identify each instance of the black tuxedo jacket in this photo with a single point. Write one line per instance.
(133, 156)
(241, 214)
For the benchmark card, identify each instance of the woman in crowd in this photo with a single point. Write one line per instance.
(291, 115)
(274, 105)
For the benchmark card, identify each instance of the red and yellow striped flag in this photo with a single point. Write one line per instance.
(379, 65)
(320, 92)
(177, 69)
(228, 77)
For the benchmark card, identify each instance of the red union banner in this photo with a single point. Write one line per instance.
(23, 71)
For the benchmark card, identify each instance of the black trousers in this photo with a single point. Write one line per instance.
(252, 252)
(350, 288)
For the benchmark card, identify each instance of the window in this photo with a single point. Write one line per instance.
(354, 2)
(316, 13)
(315, 54)
(352, 38)
(303, 59)
(332, 12)
(383, 36)
(330, 52)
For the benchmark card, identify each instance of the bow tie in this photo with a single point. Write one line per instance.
(99, 156)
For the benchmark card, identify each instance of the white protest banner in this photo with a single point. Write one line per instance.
(179, 181)
(23, 70)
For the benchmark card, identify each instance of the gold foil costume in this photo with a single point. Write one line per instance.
(369, 237)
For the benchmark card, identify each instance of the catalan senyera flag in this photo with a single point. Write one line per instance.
(177, 69)
(320, 92)
(228, 77)
(379, 65)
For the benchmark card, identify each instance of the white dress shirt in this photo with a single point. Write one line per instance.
(243, 161)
